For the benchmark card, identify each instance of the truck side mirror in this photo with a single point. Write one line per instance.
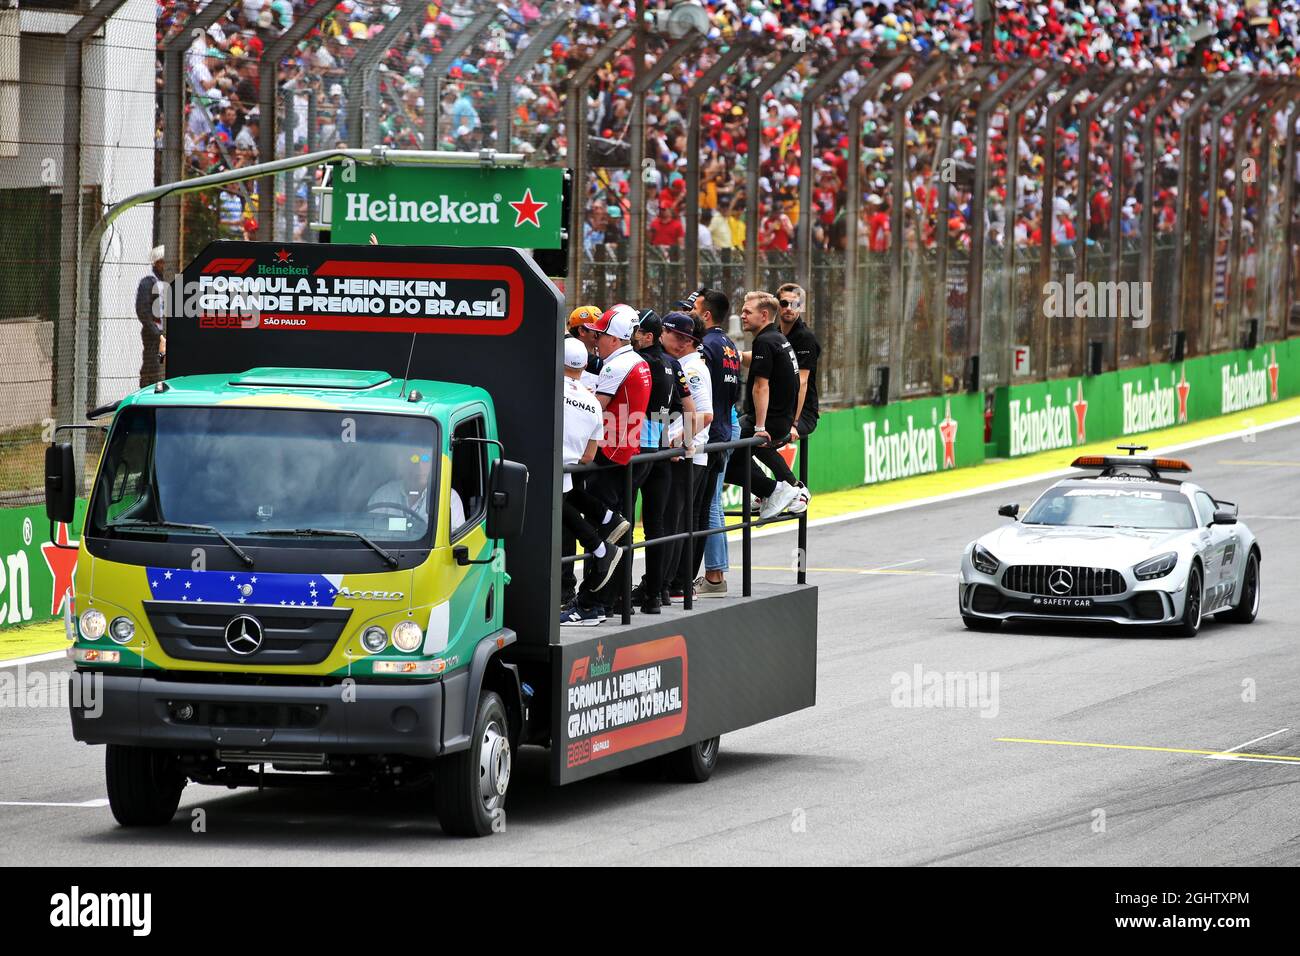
(507, 499)
(1009, 511)
(60, 483)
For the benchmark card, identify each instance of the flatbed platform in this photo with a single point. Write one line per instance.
(630, 692)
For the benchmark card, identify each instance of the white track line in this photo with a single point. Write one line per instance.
(37, 659)
(1229, 753)
(100, 802)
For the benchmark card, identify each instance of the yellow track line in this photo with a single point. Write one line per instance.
(1170, 750)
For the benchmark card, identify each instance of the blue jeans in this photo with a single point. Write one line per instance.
(715, 547)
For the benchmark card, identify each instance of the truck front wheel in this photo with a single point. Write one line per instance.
(693, 764)
(144, 786)
(470, 786)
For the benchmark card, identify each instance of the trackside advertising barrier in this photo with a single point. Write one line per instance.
(35, 574)
(1042, 416)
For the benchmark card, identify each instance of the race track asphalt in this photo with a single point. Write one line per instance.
(856, 779)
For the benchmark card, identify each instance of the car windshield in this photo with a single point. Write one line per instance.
(1104, 507)
(247, 470)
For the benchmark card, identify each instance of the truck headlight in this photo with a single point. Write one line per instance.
(374, 640)
(1156, 567)
(93, 624)
(407, 636)
(122, 630)
(984, 561)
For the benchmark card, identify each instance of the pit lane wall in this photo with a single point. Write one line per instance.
(1042, 416)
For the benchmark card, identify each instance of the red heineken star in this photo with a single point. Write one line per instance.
(1081, 417)
(1183, 388)
(526, 210)
(284, 255)
(948, 434)
(1273, 370)
(62, 563)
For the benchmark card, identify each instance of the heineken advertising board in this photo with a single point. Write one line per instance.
(35, 574)
(1063, 413)
(449, 206)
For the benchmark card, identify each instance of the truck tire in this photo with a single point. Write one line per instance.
(144, 786)
(693, 764)
(1245, 610)
(469, 787)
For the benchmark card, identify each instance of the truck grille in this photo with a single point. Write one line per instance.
(290, 635)
(1083, 582)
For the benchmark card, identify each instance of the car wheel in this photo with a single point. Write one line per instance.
(144, 785)
(981, 623)
(1190, 625)
(693, 764)
(470, 786)
(1245, 610)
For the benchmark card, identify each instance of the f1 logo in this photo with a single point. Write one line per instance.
(579, 670)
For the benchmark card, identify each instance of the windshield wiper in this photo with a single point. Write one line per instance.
(182, 526)
(318, 532)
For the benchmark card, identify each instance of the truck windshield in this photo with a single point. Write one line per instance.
(246, 470)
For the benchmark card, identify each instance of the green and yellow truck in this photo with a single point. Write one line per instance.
(327, 548)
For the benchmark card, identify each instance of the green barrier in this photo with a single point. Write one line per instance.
(35, 574)
(1041, 416)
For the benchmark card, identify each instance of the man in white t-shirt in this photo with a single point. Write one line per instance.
(681, 340)
(584, 425)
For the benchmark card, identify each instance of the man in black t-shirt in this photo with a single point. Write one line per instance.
(807, 351)
(771, 396)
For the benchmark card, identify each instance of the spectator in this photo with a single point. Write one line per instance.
(150, 300)
(666, 229)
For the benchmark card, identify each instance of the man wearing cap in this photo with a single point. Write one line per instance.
(681, 340)
(583, 428)
(150, 299)
(579, 319)
(623, 391)
(723, 362)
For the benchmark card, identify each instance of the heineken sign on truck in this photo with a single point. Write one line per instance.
(448, 206)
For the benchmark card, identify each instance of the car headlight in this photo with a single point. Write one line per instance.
(984, 561)
(93, 624)
(1156, 567)
(407, 636)
(374, 640)
(121, 630)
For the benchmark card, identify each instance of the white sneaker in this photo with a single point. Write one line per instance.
(779, 500)
(801, 502)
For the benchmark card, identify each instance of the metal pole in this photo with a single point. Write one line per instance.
(1234, 276)
(1188, 174)
(1048, 216)
(688, 590)
(1212, 211)
(454, 46)
(746, 495)
(854, 317)
(979, 200)
(1117, 127)
(1147, 263)
(1086, 114)
(802, 574)
(1288, 229)
(576, 157)
(753, 105)
(536, 49)
(1046, 82)
(360, 71)
(268, 75)
(647, 75)
(629, 501)
(701, 86)
(897, 301)
(73, 329)
(803, 229)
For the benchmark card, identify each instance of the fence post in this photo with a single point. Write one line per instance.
(1236, 265)
(576, 128)
(855, 319)
(536, 49)
(803, 229)
(753, 106)
(452, 47)
(701, 86)
(1188, 177)
(1147, 262)
(979, 200)
(1288, 197)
